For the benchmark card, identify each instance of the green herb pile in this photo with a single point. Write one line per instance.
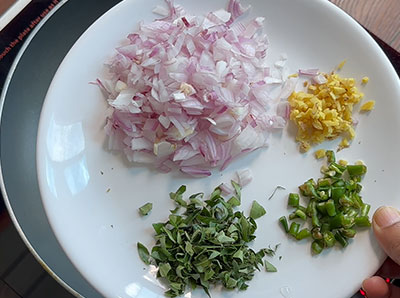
(205, 243)
(335, 207)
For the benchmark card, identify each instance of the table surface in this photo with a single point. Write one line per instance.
(5, 4)
(380, 17)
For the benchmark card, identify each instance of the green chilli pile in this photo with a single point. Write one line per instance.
(205, 242)
(335, 207)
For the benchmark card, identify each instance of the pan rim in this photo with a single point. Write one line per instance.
(2, 183)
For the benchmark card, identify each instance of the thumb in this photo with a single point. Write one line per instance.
(386, 224)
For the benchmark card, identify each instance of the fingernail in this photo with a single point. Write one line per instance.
(386, 216)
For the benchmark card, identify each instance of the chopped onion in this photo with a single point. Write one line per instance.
(160, 10)
(226, 189)
(236, 9)
(309, 72)
(319, 79)
(194, 92)
(244, 177)
(196, 172)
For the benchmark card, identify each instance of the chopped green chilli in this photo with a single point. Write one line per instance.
(304, 233)
(294, 229)
(294, 200)
(335, 207)
(205, 242)
(284, 223)
(145, 209)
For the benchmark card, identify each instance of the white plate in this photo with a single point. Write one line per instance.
(99, 229)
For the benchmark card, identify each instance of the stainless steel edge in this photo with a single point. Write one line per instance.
(2, 184)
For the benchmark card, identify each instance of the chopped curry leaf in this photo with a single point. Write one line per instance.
(234, 202)
(257, 210)
(238, 191)
(145, 209)
(269, 267)
(206, 243)
(143, 253)
(164, 268)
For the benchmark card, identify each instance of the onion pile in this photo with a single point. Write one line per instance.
(194, 92)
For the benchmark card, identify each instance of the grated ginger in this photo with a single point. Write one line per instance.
(368, 106)
(364, 80)
(340, 66)
(320, 153)
(324, 112)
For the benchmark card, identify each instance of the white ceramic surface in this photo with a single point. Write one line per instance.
(99, 229)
